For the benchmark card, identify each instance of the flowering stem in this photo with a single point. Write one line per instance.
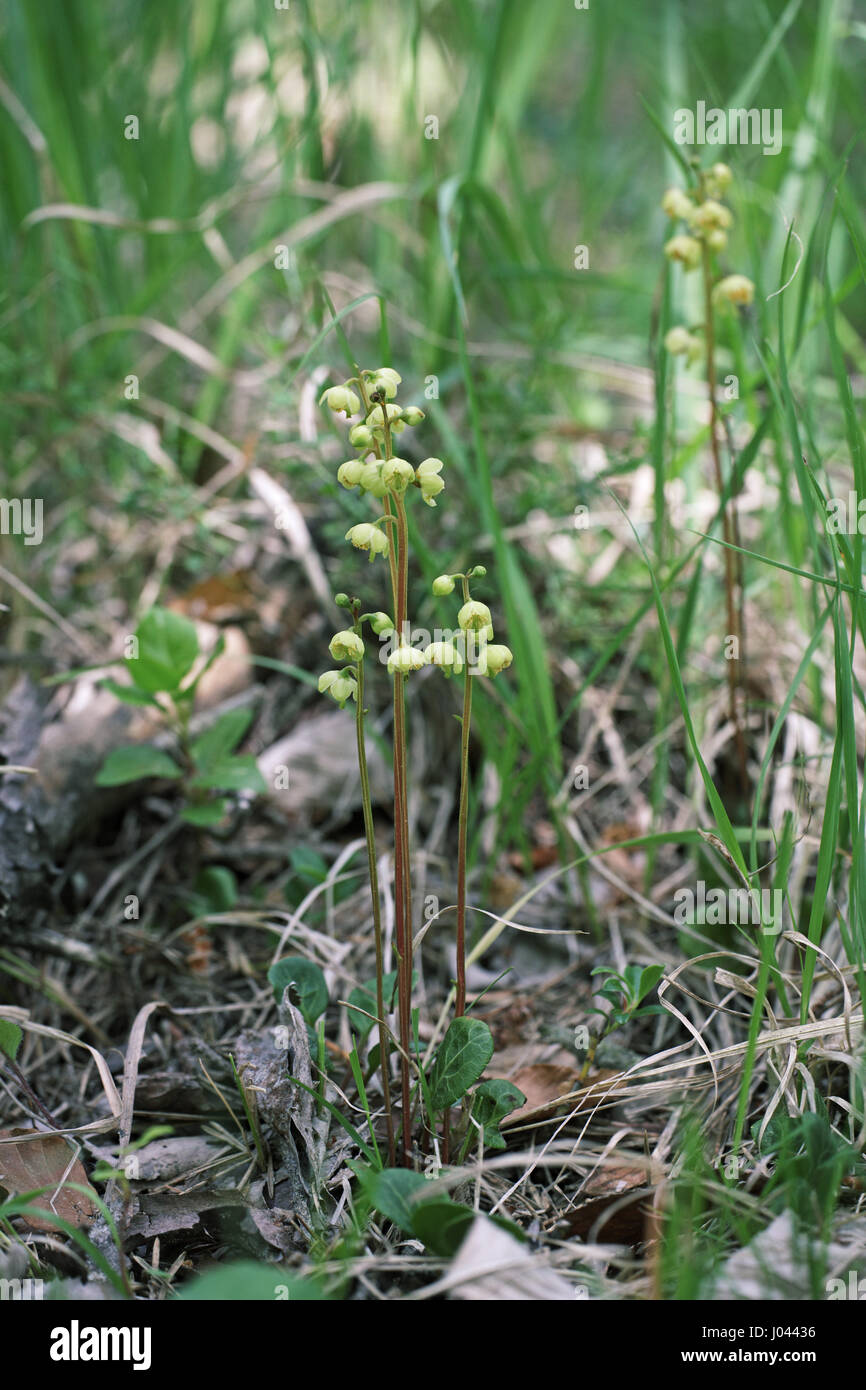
(732, 614)
(399, 566)
(384, 1050)
(460, 1004)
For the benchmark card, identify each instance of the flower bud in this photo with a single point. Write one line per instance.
(473, 616)
(734, 289)
(376, 419)
(380, 623)
(710, 215)
(685, 249)
(349, 473)
(412, 415)
(361, 437)
(494, 658)
(342, 600)
(446, 655)
(477, 572)
(717, 179)
(372, 480)
(676, 203)
(444, 584)
(341, 400)
(340, 685)
(365, 536)
(678, 341)
(404, 660)
(717, 240)
(397, 474)
(385, 379)
(346, 646)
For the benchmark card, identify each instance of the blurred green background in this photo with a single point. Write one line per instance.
(310, 128)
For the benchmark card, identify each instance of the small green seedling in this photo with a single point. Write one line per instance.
(625, 992)
(162, 654)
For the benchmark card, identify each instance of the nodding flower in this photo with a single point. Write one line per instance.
(677, 204)
(365, 536)
(709, 215)
(381, 623)
(494, 658)
(386, 380)
(376, 419)
(717, 179)
(372, 480)
(734, 289)
(444, 655)
(361, 437)
(346, 646)
(474, 616)
(679, 341)
(340, 685)
(686, 249)
(397, 474)
(404, 660)
(427, 478)
(349, 473)
(341, 400)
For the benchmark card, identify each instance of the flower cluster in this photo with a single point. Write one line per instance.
(384, 476)
(707, 221)
(486, 657)
(376, 469)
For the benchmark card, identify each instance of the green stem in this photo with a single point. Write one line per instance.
(399, 566)
(732, 615)
(460, 1004)
(369, 833)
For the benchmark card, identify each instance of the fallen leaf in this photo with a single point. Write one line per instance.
(550, 1086)
(540, 857)
(622, 1191)
(493, 1266)
(45, 1161)
(543, 1083)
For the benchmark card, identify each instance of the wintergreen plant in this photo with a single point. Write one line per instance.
(708, 221)
(162, 656)
(625, 993)
(388, 480)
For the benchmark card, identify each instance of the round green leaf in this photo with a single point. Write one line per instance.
(309, 982)
(493, 1100)
(167, 649)
(248, 1281)
(463, 1054)
(130, 764)
(391, 1192)
(208, 813)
